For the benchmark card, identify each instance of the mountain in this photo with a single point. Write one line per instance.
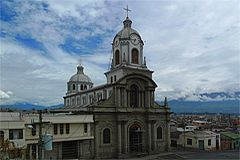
(214, 96)
(225, 106)
(29, 106)
(216, 102)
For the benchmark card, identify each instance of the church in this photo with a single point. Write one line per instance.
(127, 120)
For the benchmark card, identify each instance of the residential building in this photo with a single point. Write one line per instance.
(230, 140)
(200, 140)
(72, 135)
(12, 133)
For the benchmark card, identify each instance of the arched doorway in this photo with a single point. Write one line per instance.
(135, 138)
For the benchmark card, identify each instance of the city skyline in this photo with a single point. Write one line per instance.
(192, 46)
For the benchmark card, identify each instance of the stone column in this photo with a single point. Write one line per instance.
(148, 103)
(139, 99)
(125, 149)
(149, 137)
(30, 152)
(153, 137)
(168, 136)
(119, 138)
(125, 98)
(143, 99)
(119, 96)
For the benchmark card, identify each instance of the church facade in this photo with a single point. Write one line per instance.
(127, 120)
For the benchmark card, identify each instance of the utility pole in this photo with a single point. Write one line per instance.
(40, 136)
(184, 131)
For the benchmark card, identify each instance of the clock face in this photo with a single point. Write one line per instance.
(134, 39)
(116, 42)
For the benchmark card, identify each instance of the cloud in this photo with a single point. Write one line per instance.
(192, 46)
(5, 95)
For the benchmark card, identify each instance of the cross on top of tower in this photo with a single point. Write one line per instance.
(127, 10)
(79, 61)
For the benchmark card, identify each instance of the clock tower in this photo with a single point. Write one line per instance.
(127, 51)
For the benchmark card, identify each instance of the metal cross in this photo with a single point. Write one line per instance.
(80, 61)
(128, 10)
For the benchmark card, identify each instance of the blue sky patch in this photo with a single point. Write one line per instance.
(30, 42)
(2, 34)
(84, 46)
(7, 13)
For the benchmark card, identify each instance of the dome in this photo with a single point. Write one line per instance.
(127, 30)
(80, 76)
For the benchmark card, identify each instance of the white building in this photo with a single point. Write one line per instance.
(202, 140)
(72, 136)
(187, 128)
(12, 130)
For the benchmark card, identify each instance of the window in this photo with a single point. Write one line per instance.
(84, 100)
(85, 127)
(135, 56)
(1, 137)
(115, 78)
(106, 136)
(61, 128)
(78, 100)
(189, 141)
(111, 79)
(67, 128)
(73, 101)
(209, 142)
(73, 87)
(134, 96)
(55, 128)
(34, 130)
(85, 87)
(81, 87)
(15, 134)
(109, 93)
(159, 133)
(68, 102)
(90, 98)
(117, 57)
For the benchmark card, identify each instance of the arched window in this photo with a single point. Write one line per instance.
(111, 79)
(159, 133)
(134, 96)
(117, 57)
(135, 56)
(73, 86)
(106, 136)
(85, 87)
(81, 87)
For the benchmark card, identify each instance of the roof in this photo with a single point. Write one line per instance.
(10, 116)
(127, 30)
(231, 135)
(80, 76)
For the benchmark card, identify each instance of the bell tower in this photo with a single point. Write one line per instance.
(127, 52)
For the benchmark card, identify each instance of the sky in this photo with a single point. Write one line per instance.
(193, 46)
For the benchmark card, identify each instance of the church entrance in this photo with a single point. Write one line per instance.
(135, 138)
